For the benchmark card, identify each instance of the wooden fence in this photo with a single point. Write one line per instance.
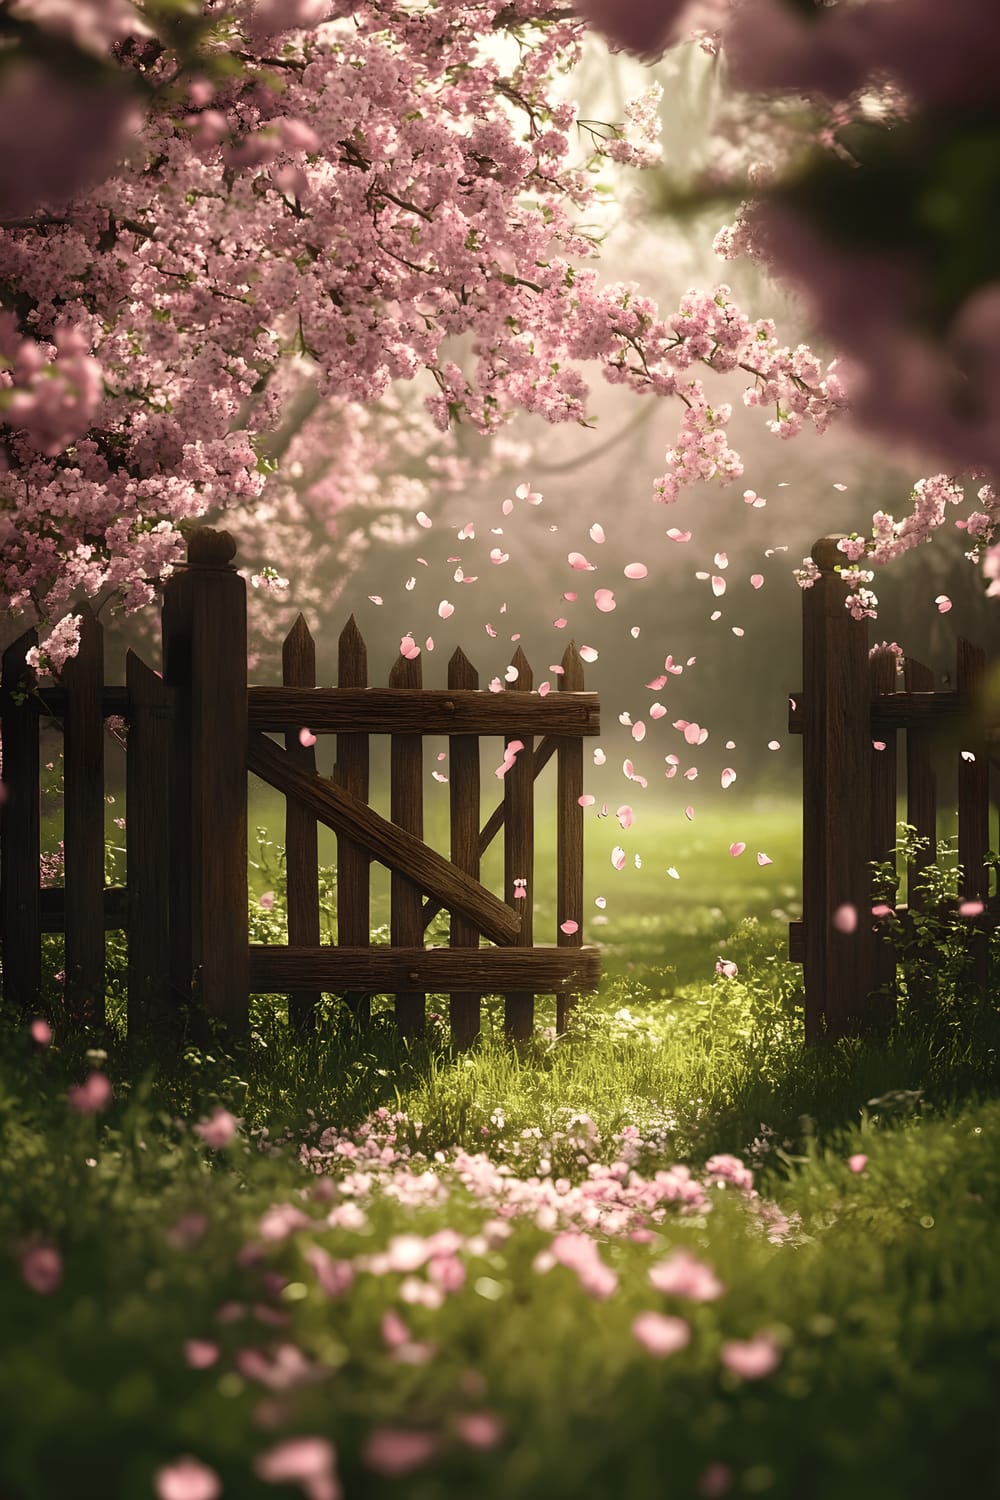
(850, 713)
(192, 736)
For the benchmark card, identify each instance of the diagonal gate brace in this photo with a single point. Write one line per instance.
(391, 845)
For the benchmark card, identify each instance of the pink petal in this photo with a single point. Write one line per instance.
(636, 571)
(625, 816)
(618, 857)
(605, 600)
(736, 849)
(728, 777)
(408, 648)
(657, 683)
(423, 519)
(689, 814)
(586, 800)
(757, 580)
(764, 859)
(579, 563)
(639, 731)
(845, 918)
(678, 536)
(587, 653)
(445, 610)
(718, 586)
(597, 532)
(943, 603)
(569, 928)
(721, 560)
(858, 1162)
(561, 623)
(656, 710)
(659, 1334)
(306, 739)
(774, 744)
(375, 598)
(970, 908)
(544, 688)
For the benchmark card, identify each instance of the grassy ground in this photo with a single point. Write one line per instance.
(397, 1272)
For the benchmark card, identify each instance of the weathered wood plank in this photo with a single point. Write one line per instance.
(882, 678)
(974, 799)
(519, 852)
(912, 709)
(147, 850)
(921, 783)
(836, 760)
(352, 773)
(83, 826)
(205, 658)
(298, 669)
(463, 794)
(542, 970)
(20, 830)
(425, 711)
(569, 830)
(389, 844)
(52, 908)
(406, 809)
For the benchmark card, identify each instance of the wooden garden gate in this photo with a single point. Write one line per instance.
(849, 713)
(192, 735)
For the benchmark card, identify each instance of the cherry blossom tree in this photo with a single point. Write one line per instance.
(321, 201)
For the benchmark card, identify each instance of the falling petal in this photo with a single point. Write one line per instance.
(625, 816)
(728, 777)
(445, 610)
(579, 563)
(511, 674)
(597, 532)
(634, 632)
(544, 689)
(656, 710)
(375, 598)
(636, 571)
(605, 600)
(618, 857)
(639, 731)
(757, 580)
(569, 927)
(718, 586)
(774, 744)
(306, 738)
(656, 684)
(586, 800)
(736, 849)
(423, 519)
(845, 918)
(943, 603)
(678, 536)
(689, 814)
(587, 653)
(721, 560)
(764, 859)
(672, 873)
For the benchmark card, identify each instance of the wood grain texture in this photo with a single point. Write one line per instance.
(519, 852)
(352, 772)
(921, 783)
(569, 830)
(204, 621)
(20, 831)
(406, 809)
(383, 969)
(52, 908)
(426, 711)
(836, 763)
(147, 850)
(974, 801)
(389, 844)
(908, 710)
(83, 826)
(463, 799)
(882, 680)
(298, 669)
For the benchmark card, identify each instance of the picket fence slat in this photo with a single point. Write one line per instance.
(921, 785)
(519, 851)
(406, 809)
(569, 830)
(352, 773)
(147, 849)
(83, 825)
(298, 669)
(463, 808)
(20, 830)
(974, 800)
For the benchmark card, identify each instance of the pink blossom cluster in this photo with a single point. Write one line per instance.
(50, 392)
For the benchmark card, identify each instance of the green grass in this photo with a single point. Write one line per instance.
(874, 1289)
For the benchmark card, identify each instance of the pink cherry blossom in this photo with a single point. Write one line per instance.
(395, 1451)
(858, 1162)
(41, 1268)
(41, 1032)
(91, 1097)
(219, 1130)
(187, 1479)
(659, 1334)
(752, 1358)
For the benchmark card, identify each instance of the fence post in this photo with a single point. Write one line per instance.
(148, 821)
(20, 831)
(974, 801)
(882, 669)
(353, 862)
(836, 764)
(298, 669)
(205, 662)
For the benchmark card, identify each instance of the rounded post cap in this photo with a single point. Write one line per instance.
(209, 548)
(826, 554)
